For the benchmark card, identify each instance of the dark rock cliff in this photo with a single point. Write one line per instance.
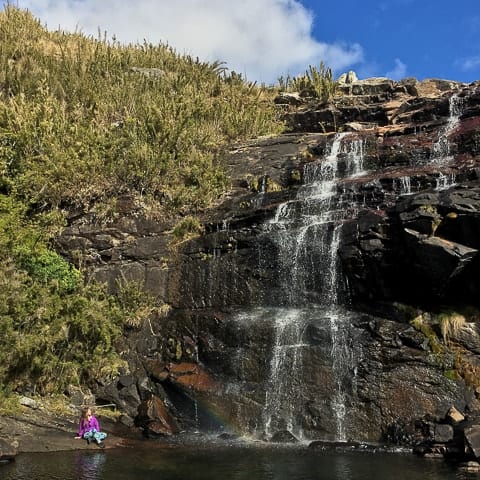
(398, 346)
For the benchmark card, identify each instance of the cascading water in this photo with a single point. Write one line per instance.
(440, 154)
(307, 233)
(441, 147)
(403, 185)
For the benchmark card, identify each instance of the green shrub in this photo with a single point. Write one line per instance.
(423, 326)
(49, 267)
(188, 227)
(136, 304)
(50, 339)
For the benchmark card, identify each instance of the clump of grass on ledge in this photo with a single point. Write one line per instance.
(316, 82)
(84, 119)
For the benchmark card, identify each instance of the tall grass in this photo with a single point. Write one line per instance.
(315, 82)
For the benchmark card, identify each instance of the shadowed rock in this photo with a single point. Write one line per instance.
(472, 437)
(283, 436)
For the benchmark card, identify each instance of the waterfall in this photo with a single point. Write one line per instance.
(406, 187)
(283, 383)
(444, 181)
(355, 156)
(441, 147)
(440, 154)
(307, 233)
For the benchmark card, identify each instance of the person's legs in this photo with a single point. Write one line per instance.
(88, 436)
(99, 436)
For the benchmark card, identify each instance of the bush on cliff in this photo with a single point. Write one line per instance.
(54, 329)
(315, 82)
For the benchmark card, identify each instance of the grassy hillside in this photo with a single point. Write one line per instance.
(84, 119)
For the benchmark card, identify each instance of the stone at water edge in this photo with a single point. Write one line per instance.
(343, 445)
(8, 450)
(471, 467)
(154, 417)
(283, 436)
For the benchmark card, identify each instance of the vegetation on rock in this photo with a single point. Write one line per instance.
(315, 82)
(442, 332)
(84, 119)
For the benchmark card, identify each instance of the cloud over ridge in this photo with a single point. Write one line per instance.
(261, 39)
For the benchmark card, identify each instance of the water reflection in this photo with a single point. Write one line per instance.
(342, 467)
(218, 462)
(89, 466)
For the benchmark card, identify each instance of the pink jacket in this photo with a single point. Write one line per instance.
(88, 425)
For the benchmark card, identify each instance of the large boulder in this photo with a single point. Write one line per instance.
(155, 419)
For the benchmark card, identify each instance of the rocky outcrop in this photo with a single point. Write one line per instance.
(408, 229)
(44, 431)
(435, 231)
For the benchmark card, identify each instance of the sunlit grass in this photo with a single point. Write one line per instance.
(84, 119)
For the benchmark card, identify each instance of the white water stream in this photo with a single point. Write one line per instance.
(308, 232)
(440, 154)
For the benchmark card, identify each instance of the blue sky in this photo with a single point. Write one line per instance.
(263, 39)
(418, 38)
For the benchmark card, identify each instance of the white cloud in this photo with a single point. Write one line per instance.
(260, 38)
(469, 64)
(398, 72)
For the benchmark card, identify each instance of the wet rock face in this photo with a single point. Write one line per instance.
(390, 374)
(408, 232)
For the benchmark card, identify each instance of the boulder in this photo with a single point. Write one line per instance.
(191, 376)
(29, 402)
(155, 419)
(472, 438)
(454, 416)
(443, 433)
(283, 436)
(289, 99)
(347, 78)
(436, 260)
(470, 467)
(80, 397)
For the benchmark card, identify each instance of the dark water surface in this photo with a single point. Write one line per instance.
(224, 462)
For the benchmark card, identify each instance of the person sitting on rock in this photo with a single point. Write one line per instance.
(89, 428)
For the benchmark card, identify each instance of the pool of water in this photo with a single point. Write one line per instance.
(177, 462)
